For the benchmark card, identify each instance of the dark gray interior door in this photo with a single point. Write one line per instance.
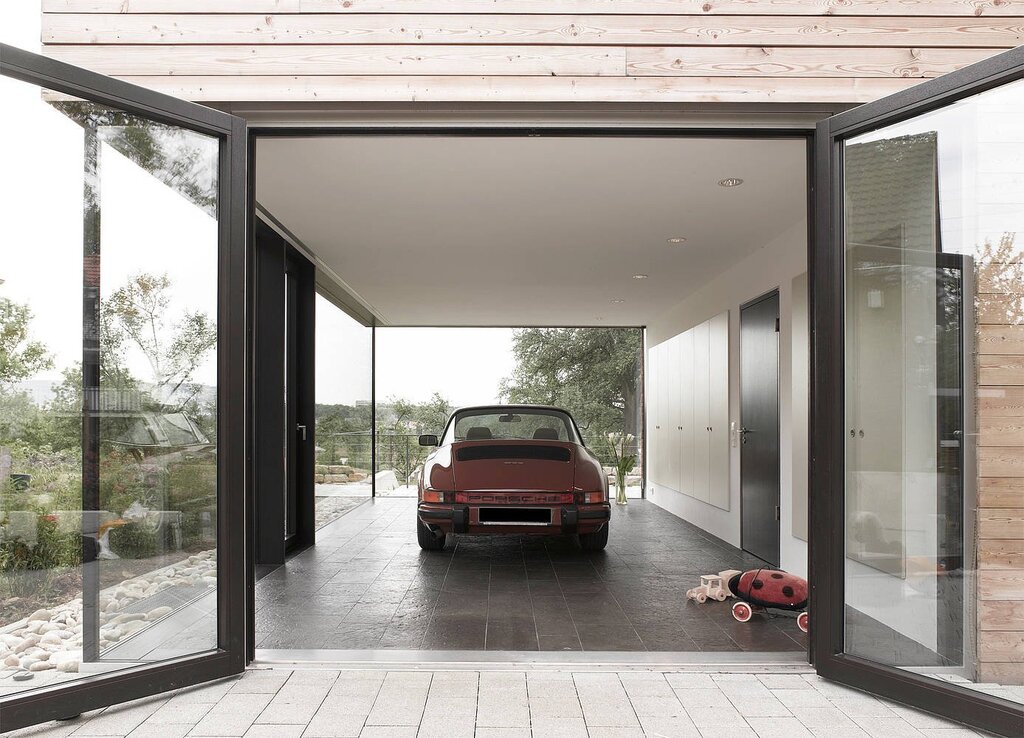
(759, 428)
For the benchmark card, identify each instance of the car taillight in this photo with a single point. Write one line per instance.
(433, 495)
(590, 498)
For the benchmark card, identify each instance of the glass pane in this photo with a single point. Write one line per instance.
(934, 237)
(344, 363)
(108, 390)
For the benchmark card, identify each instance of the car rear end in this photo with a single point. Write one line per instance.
(522, 487)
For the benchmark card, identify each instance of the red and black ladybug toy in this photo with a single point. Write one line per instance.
(760, 589)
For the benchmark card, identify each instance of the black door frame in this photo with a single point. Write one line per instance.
(88, 693)
(827, 442)
(772, 293)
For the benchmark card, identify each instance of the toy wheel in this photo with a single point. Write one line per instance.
(803, 620)
(702, 598)
(720, 596)
(742, 611)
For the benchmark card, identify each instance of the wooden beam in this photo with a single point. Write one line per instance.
(521, 89)
(995, 461)
(996, 492)
(1001, 554)
(1006, 523)
(1000, 309)
(1001, 584)
(683, 61)
(613, 30)
(1001, 432)
(346, 60)
(1007, 646)
(1001, 339)
(1000, 370)
(610, 7)
(1000, 402)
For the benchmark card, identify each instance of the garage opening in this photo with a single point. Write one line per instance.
(438, 258)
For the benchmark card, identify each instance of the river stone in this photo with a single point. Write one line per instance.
(22, 676)
(26, 644)
(40, 666)
(12, 660)
(129, 616)
(40, 615)
(158, 613)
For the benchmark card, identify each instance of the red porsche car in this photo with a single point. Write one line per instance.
(511, 469)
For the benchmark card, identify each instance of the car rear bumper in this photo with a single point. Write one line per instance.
(462, 518)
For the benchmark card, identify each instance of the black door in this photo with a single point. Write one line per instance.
(127, 268)
(916, 317)
(759, 428)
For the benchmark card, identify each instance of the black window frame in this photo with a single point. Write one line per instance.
(827, 439)
(71, 698)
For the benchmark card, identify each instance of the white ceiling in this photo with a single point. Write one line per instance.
(528, 231)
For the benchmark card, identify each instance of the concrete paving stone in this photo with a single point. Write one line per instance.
(783, 681)
(175, 711)
(843, 731)
(275, 731)
(120, 720)
(390, 731)
(331, 724)
(743, 731)
(454, 684)
(950, 732)
(447, 726)
(610, 717)
(861, 706)
(820, 717)
(559, 727)
(776, 727)
(708, 717)
(801, 698)
(700, 698)
(690, 680)
(48, 730)
(449, 707)
(669, 727)
(656, 706)
(917, 718)
(768, 707)
(262, 681)
(886, 727)
(161, 730)
(615, 732)
(226, 725)
(556, 707)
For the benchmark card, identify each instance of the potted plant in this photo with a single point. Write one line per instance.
(624, 460)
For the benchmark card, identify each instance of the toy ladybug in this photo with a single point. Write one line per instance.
(760, 589)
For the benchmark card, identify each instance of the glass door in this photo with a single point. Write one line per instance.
(919, 396)
(122, 380)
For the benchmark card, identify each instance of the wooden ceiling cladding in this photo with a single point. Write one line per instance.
(796, 51)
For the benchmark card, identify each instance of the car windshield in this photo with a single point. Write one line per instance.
(512, 424)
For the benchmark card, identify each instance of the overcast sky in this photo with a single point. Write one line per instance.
(148, 227)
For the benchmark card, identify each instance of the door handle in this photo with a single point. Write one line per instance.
(301, 429)
(745, 430)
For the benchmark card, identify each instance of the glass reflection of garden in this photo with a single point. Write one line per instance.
(108, 411)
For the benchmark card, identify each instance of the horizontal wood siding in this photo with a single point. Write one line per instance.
(797, 51)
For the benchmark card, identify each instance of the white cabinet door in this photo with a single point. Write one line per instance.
(685, 446)
(664, 436)
(652, 372)
(718, 417)
(701, 411)
(674, 414)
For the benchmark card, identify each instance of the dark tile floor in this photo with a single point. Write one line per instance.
(367, 585)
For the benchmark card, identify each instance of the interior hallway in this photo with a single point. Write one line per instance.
(367, 585)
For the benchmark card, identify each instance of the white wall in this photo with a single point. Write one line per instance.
(773, 266)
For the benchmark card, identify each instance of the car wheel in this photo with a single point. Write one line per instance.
(426, 538)
(595, 541)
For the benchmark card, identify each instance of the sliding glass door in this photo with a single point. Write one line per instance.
(919, 363)
(121, 392)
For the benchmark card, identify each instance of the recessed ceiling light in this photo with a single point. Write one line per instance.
(730, 182)
(617, 301)
(639, 276)
(677, 239)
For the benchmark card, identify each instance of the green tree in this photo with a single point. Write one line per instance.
(140, 312)
(20, 357)
(591, 372)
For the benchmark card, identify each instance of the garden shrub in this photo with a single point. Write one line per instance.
(134, 541)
